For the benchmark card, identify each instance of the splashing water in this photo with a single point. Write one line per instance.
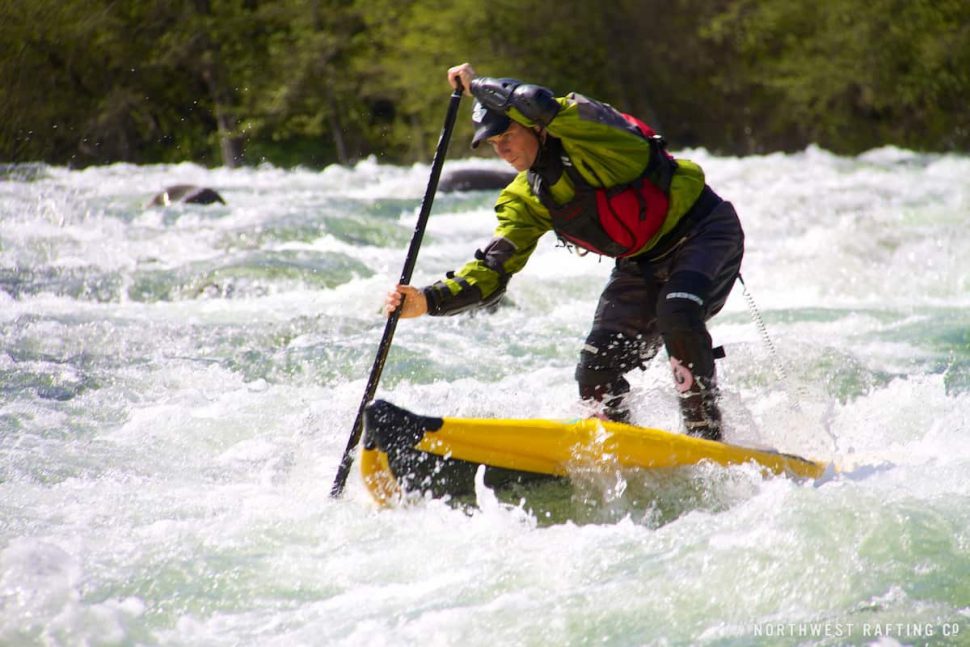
(178, 385)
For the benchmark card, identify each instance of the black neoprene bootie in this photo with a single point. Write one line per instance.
(698, 405)
(609, 400)
(616, 410)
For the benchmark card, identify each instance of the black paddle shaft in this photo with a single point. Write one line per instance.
(375, 373)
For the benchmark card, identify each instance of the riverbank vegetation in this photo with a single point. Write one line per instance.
(315, 82)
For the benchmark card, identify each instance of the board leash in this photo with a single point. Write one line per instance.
(794, 399)
(777, 362)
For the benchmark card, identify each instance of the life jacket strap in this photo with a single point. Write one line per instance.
(660, 170)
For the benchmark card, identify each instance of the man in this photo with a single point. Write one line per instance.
(604, 183)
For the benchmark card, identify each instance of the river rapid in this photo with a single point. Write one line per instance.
(179, 383)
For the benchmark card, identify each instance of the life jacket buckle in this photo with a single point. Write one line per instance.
(572, 248)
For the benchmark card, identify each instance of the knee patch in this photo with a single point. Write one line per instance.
(682, 303)
(680, 318)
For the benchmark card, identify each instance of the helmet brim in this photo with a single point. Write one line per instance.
(489, 124)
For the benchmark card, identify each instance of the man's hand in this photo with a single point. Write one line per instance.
(415, 303)
(463, 72)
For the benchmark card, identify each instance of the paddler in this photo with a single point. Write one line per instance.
(604, 182)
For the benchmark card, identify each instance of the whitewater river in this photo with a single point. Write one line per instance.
(178, 385)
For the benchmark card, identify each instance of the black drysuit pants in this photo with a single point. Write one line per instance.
(664, 296)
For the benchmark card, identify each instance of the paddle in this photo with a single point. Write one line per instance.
(385, 345)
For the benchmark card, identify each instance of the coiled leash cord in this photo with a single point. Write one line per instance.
(779, 365)
(800, 394)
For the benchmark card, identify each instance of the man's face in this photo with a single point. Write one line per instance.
(518, 146)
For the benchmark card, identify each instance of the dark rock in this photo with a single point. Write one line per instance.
(475, 179)
(188, 194)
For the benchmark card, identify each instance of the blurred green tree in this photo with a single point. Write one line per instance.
(314, 82)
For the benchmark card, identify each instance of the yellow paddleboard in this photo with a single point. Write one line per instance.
(406, 451)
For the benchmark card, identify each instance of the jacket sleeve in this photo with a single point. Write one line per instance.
(522, 220)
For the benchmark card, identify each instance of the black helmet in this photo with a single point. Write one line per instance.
(488, 123)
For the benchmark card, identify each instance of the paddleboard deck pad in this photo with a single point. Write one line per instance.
(407, 452)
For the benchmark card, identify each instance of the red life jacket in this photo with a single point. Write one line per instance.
(616, 221)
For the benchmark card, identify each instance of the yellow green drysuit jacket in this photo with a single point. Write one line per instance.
(617, 155)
